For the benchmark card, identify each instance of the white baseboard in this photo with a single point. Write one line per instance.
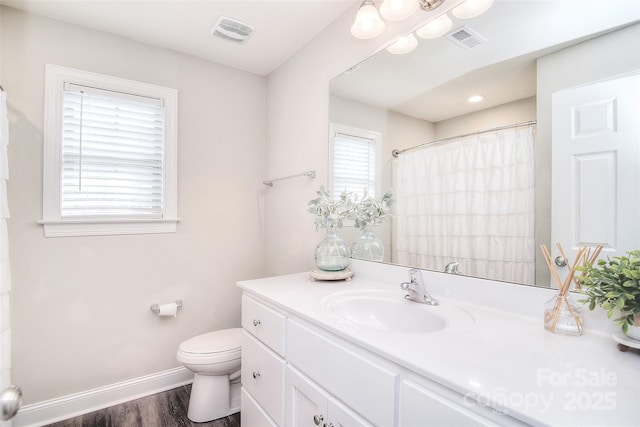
(62, 408)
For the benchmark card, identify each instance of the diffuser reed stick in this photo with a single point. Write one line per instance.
(561, 302)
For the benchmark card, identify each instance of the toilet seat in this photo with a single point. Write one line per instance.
(212, 347)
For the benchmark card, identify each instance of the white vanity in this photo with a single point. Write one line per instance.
(351, 354)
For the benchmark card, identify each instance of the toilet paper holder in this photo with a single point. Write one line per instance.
(156, 307)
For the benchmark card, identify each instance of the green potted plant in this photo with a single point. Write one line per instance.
(614, 285)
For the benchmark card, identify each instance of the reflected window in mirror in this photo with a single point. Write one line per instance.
(354, 160)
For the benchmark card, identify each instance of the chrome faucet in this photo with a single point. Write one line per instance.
(415, 287)
(452, 268)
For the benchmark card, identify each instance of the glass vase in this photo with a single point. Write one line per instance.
(367, 247)
(563, 315)
(332, 253)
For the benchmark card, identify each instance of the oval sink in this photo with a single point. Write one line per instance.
(389, 311)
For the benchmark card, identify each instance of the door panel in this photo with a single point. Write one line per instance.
(596, 167)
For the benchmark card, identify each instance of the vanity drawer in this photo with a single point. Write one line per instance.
(264, 323)
(361, 384)
(263, 376)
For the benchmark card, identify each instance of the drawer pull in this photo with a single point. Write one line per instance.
(317, 419)
(256, 374)
(256, 322)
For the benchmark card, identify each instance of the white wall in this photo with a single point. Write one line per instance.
(519, 111)
(80, 306)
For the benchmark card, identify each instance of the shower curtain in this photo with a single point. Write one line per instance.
(5, 274)
(470, 201)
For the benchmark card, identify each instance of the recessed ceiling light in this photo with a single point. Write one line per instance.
(475, 98)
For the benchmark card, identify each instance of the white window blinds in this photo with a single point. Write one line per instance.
(354, 164)
(112, 154)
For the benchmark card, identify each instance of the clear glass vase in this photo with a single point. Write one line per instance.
(563, 315)
(367, 247)
(332, 253)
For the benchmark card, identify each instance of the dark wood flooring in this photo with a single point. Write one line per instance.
(166, 409)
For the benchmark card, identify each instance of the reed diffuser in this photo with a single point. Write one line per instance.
(562, 314)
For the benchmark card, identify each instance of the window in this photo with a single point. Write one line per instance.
(110, 155)
(355, 158)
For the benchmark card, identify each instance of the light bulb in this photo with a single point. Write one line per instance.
(368, 23)
(397, 10)
(475, 98)
(403, 45)
(471, 8)
(435, 28)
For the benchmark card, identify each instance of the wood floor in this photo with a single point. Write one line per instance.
(166, 409)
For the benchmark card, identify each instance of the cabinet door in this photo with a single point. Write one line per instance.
(306, 403)
(341, 416)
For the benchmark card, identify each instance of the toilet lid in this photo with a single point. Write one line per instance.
(214, 342)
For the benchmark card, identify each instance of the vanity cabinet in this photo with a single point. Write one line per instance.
(296, 374)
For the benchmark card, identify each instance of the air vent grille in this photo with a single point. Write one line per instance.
(231, 29)
(466, 37)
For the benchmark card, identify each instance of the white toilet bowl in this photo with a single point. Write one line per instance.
(214, 358)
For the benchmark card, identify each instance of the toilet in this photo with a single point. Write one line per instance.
(214, 358)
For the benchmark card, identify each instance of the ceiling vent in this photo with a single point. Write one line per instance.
(466, 37)
(231, 29)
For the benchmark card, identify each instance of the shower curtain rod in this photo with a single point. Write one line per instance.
(396, 153)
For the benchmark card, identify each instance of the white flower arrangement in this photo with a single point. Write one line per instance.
(371, 211)
(331, 213)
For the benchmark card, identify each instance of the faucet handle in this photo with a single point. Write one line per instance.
(415, 275)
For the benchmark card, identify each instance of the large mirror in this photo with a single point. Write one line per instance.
(527, 52)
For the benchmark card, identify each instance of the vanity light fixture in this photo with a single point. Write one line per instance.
(397, 10)
(403, 45)
(368, 23)
(471, 8)
(436, 28)
(475, 98)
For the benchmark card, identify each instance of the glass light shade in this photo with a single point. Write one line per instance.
(397, 10)
(368, 23)
(403, 45)
(436, 28)
(471, 8)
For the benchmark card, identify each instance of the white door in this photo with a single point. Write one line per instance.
(596, 167)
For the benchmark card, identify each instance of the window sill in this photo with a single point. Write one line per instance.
(108, 227)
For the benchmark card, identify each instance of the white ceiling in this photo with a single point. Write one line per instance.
(281, 27)
(431, 83)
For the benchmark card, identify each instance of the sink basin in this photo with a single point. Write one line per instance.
(390, 311)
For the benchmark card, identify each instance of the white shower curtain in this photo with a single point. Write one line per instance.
(470, 201)
(5, 274)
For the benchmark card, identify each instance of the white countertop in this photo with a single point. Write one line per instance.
(534, 375)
